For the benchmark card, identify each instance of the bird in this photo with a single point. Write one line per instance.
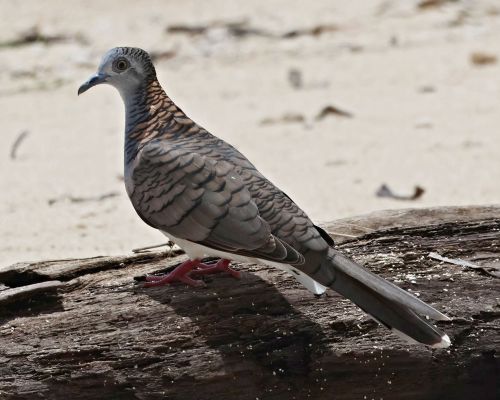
(208, 198)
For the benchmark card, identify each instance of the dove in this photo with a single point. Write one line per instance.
(207, 197)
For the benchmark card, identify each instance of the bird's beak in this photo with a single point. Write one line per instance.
(93, 80)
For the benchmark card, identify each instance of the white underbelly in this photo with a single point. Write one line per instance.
(198, 251)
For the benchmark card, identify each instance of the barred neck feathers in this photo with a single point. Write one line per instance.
(151, 114)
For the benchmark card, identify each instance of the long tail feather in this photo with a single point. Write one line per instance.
(390, 305)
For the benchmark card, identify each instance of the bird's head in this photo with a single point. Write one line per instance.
(125, 68)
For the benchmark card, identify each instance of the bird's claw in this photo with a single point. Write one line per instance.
(179, 274)
(191, 267)
(221, 266)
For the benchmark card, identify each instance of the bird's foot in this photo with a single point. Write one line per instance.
(179, 274)
(221, 266)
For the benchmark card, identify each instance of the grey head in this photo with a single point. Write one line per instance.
(128, 69)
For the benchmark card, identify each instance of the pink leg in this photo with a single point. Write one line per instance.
(221, 266)
(180, 274)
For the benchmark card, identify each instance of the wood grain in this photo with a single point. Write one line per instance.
(99, 335)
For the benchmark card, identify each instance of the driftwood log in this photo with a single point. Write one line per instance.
(84, 329)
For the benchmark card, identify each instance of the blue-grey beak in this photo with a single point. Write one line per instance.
(93, 80)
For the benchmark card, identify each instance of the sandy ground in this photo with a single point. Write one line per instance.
(422, 112)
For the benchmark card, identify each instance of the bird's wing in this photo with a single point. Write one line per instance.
(285, 218)
(202, 200)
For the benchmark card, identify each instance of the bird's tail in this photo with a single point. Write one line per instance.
(388, 304)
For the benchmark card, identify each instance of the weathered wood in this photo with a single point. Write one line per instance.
(100, 335)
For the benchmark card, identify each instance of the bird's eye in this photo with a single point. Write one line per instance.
(120, 65)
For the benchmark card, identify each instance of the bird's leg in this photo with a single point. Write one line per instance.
(179, 274)
(221, 266)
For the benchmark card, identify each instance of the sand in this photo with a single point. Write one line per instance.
(422, 112)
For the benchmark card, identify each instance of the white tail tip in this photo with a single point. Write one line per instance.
(443, 344)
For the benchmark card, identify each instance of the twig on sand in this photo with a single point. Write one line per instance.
(19, 139)
(385, 191)
(329, 110)
(74, 199)
(35, 35)
(143, 249)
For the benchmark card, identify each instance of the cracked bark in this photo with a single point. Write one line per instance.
(84, 329)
